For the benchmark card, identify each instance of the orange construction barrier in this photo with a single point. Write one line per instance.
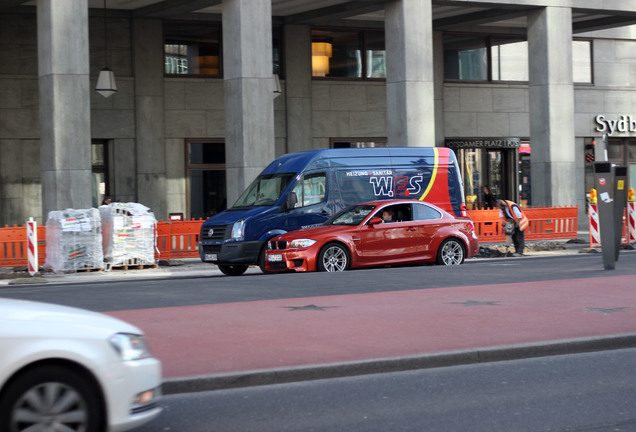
(178, 239)
(546, 223)
(13, 246)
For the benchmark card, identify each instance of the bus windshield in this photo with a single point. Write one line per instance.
(265, 190)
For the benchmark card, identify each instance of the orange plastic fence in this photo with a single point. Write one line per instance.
(13, 246)
(546, 223)
(180, 239)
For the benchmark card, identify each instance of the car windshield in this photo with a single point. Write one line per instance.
(265, 190)
(351, 215)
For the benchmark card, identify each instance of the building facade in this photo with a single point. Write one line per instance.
(209, 92)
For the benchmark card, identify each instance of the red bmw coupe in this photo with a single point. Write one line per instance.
(376, 233)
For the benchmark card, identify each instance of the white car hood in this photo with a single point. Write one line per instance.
(24, 313)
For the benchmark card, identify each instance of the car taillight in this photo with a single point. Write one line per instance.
(463, 210)
(471, 227)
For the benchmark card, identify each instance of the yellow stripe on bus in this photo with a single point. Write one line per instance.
(432, 181)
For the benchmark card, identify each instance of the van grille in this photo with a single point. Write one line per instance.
(214, 232)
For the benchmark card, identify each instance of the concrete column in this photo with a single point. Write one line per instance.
(298, 87)
(249, 98)
(64, 86)
(410, 83)
(149, 119)
(553, 164)
(438, 73)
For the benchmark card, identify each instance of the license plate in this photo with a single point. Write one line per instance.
(275, 258)
(210, 257)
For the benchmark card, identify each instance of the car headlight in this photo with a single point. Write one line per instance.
(301, 243)
(238, 229)
(130, 346)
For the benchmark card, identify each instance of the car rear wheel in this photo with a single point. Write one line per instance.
(333, 258)
(451, 252)
(51, 398)
(232, 270)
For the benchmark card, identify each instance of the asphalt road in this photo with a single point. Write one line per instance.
(593, 392)
(185, 290)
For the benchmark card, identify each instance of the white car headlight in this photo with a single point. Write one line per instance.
(130, 346)
(301, 243)
(238, 229)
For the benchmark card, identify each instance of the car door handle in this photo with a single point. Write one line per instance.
(410, 229)
(325, 213)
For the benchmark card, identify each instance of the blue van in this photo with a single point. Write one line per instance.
(305, 188)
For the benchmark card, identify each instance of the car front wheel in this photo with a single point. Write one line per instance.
(451, 252)
(333, 258)
(51, 398)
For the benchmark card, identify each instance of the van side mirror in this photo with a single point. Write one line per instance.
(375, 220)
(290, 202)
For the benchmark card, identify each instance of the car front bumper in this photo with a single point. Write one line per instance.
(126, 383)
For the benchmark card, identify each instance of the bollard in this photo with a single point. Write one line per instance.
(631, 217)
(595, 237)
(32, 246)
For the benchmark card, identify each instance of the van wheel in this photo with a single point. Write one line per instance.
(333, 258)
(47, 396)
(232, 270)
(451, 252)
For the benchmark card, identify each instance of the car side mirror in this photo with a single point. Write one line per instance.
(375, 220)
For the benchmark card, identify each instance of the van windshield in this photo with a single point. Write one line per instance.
(265, 190)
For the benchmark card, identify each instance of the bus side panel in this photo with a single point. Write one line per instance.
(431, 178)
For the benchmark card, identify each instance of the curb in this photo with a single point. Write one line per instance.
(398, 364)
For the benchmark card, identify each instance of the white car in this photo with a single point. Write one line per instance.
(63, 368)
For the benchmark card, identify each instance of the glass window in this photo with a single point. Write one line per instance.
(336, 54)
(265, 190)
(355, 143)
(465, 57)
(339, 54)
(375, 55)
(509, 60)
(582, 61)
(480, 58)
(424, 212)
(192, 48)
(310, 190)
(99, 165)
(206, 178)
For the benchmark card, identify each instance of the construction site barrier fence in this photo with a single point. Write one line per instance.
(180, 239)
(546, 223)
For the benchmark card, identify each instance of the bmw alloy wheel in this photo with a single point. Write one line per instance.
(451, 252)
(333, 258)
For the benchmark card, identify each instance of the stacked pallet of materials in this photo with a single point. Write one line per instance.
(74, 240)
(129, 235)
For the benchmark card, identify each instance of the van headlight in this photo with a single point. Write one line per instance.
(301, 243)
(238, 229)
(130, 346)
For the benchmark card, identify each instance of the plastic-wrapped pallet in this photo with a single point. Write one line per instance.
(129, 234)
(74, 240)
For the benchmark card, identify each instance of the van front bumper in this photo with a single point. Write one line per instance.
(231, 253)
